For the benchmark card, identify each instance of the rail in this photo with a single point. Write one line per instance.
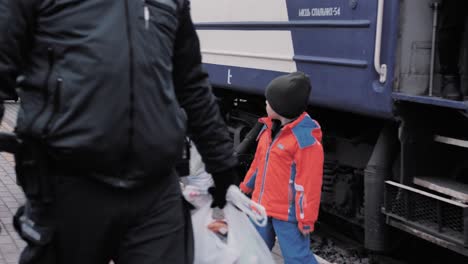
(247, 55)
(381, 69)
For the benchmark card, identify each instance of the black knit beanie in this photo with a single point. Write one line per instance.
(288, 95)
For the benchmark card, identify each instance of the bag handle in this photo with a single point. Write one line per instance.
(255, 211)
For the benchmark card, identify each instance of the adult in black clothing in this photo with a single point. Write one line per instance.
(102, 84)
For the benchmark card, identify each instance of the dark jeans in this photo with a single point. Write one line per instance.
(450, 34)
(96, 223)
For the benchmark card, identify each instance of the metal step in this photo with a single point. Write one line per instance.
(454, 189)
(431, 217)
(451, 141)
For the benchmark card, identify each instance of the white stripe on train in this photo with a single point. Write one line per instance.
(258, 49)
(265, 50)
(238, 10)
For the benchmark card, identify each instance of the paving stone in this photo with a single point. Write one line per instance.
(10, 198)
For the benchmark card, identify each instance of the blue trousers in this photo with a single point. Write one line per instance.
(295, 247)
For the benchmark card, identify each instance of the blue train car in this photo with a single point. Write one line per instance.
(396, 153)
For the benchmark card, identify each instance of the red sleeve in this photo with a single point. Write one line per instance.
(308, 182)
(248, 183)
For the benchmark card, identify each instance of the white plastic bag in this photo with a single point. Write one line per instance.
(195, 189)
(242, 246)
(198, 196)
(255, 211)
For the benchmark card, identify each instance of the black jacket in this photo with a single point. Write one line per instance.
(102, 82)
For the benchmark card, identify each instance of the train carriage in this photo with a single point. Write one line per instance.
(396, 152)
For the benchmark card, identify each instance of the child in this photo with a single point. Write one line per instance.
(286, 173)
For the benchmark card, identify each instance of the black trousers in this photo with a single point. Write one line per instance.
(450, 34)
(95, 223)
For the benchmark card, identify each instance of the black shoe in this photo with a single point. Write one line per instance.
(451, 87)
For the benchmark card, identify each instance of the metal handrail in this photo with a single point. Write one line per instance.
(381, 69)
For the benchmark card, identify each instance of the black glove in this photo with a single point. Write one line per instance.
(222, 181)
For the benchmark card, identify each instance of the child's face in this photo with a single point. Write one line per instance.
(271, 113)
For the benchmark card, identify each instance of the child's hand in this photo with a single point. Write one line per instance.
(305, 229)
(305, 232)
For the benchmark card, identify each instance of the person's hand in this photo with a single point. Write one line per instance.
(305, 232)
(222, 182)
(305, 229)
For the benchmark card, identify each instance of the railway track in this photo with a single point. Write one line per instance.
(341, 243)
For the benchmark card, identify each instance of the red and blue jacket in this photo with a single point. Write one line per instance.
(286, 173)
